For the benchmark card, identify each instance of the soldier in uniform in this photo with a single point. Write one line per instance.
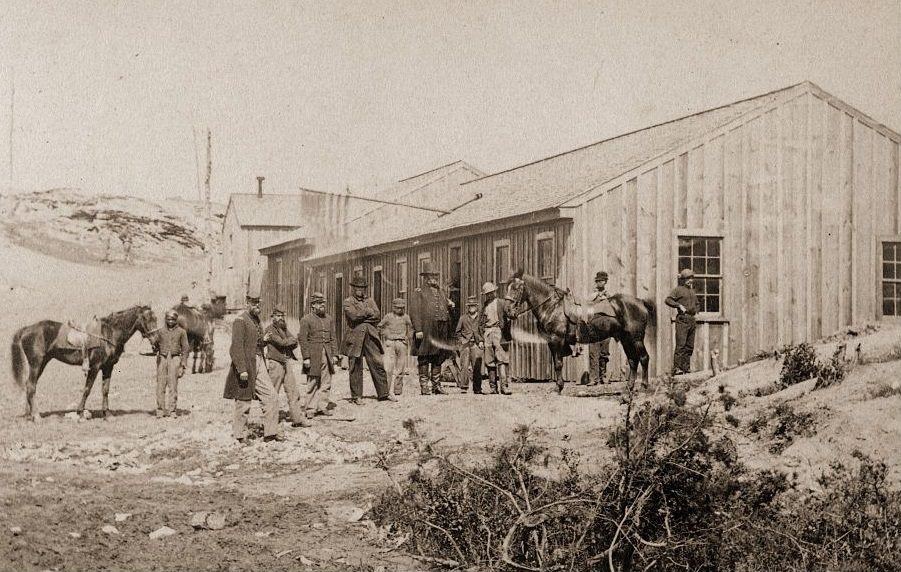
(494, 321)
(319, 348)
(247, 377)
(685, 301)
(598, 352)
(429, 311)
(362, 340)
(280, 346)
(470, 339)
(171, 346)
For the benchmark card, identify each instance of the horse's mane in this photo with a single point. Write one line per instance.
(118, 315)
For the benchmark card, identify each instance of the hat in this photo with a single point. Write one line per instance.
(358, 281)
(184, 298)
(398, 303)
(171, 314)
(428, 269)
(317, 297)
(472, 301)
(686, 273)
(488, 288)
(279, 310)
(600, 276)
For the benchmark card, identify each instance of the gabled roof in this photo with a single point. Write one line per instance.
(268, 210)
(561, 179)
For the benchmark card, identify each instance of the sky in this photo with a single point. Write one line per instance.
(114, 97)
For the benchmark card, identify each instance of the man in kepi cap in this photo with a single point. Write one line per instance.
(429, 311)
(362, 340)
(685, 301)
(396, 330)
(280, 346)
(319, 348)
(598, 352)
(247, 377)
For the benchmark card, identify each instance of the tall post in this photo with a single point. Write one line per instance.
(208, 210)
(12, 123)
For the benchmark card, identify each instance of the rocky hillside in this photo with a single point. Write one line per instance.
(80, 227)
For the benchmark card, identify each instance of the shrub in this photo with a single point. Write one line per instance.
(835, 371)
(799, 364)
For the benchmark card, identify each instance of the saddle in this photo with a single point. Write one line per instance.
(579, 313)
(83, 336)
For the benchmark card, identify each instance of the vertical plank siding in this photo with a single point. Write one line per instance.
(798, 194)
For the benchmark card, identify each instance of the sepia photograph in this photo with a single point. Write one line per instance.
(385, 286)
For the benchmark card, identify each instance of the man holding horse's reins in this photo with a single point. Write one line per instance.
(598, 352)
(247, 377)
(171, 346)
(430, 314)
(685, 301)
(493, 321)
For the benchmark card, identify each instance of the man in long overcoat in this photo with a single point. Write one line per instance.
(248, 377)
(429, 311)
(319, 349)
(362, 341)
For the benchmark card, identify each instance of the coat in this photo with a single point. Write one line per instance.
(318, 334)
(429, 313)
(506, 323)
(468, 330)
(362, 317)
(247, 338)
(281, 344)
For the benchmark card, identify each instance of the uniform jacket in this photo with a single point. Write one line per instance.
(281, 344)
(684, 295)
(468, 330)
(361, 316)
(247, 339)
(171, 342)
(429, 313)
(318, 334)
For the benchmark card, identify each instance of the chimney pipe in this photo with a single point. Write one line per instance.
(260, 187)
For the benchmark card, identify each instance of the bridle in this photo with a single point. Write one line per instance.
(555, 294)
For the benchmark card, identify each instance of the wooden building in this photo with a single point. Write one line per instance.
(786, 206)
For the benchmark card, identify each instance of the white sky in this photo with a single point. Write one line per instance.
(331, 94)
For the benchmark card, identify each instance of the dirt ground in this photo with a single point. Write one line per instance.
(301, 504)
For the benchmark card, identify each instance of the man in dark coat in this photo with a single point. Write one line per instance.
(429, 311)
(362, 340)
(598, 352)
(247, 377)
(469, 337)
(280, 346)
(319, 348)
(684, 299)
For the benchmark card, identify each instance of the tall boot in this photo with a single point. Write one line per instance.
(503, 380)
(492, 379)
(436, 380)
(424, 386)
(602, 371)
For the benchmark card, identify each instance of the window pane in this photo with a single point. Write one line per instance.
(698, 266)
(684, 247)
(713, 304)
(888, 270)
(713, 286)
(888, 308)
(888, 251)
(713, 266)
(888, 290)
(684, 262)
(700, 247)
(713, 247)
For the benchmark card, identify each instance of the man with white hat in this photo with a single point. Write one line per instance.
(684, 299)
(430, 313)
(247, 377)
(494, 321)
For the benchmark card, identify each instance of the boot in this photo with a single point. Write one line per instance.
(602, 371)
(477, 383)
(436, 380)
(503, 380)
(424, 384)
(492, 379)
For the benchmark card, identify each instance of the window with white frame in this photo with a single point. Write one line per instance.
(545, 256)
(891, 278)
(421, 259)
(703, 255)
(400, 278)
(502, 270)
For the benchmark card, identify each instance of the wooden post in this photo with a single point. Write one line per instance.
(208, 210)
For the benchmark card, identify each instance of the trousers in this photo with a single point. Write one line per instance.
(373, 356)
(265, 392)
(396, 357)
(598, 356)
(167, 378)
(282, 375)
(685, 343)
(319, 388)
(471, 357)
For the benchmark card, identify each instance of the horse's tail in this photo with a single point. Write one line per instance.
(17, 355)
(651, 307)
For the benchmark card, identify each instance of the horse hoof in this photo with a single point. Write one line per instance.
(86, 414)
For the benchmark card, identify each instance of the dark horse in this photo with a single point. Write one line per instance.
(198, 323)
(37, 345)
(548, 303)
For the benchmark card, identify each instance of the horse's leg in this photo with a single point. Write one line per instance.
(107, 376)
(632, 353)
(88, 385)
(644, 359)
(557, 356)
(34, 373)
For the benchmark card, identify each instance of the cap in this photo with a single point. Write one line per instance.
(488, 288)
(399, 303)
(428, 269)
(171, 314)
(600, 276)
(317, 297)
(686, 273)
(472, 301)
(184, 298)
(279, 310)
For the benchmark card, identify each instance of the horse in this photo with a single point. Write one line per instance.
(199, 326)
(36, 344)
(561, 332)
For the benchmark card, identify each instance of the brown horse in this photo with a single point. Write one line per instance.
(547, 304)
(198, 324)
(37, 345)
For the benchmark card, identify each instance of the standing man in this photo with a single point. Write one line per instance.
(470, 339)
(171, 346)
(493, 321)
(280, 346)
(396, 330)
(598, 352)
(685, 301)
(362, 340)
(319, 348)
(429, 313)
(247, 377)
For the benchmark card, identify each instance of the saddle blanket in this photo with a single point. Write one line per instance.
(583, 312)
(80, 336)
